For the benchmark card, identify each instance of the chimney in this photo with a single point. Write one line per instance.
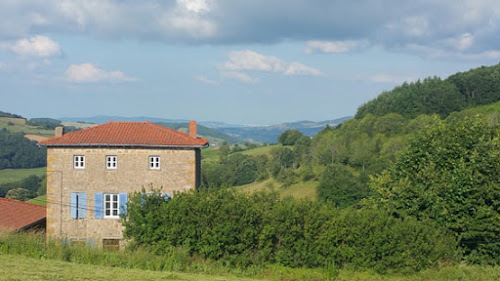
(192, 129)
(59, 131)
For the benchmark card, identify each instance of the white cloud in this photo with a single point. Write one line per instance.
(248, 60)
(36, 46)
(331, 46)
(196, 6)
(391, 79)
(205, 80)
(296, 68)
(88, 73)
(461, 43)
(240, 76)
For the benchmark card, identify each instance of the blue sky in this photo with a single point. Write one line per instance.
(236, 61)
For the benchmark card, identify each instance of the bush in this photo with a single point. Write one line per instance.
(243, 230)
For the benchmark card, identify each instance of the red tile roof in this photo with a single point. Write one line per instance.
(113, 133)
(16, 214)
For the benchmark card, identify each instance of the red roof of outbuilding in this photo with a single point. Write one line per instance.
(16, 214)
(126, 134)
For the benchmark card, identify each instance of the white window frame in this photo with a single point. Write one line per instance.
(111, 162)
(154, 162)
(111, 208)
(79, 161)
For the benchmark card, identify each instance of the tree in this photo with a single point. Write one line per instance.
(450, 173)
(20, 194)
(289, 137)
(339, 186)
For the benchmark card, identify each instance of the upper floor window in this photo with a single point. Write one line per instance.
(111, 162)
(154, 162)
(79, 162)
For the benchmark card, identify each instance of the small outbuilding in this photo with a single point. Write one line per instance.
(19, 216)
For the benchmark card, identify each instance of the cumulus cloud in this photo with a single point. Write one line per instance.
(331, 46)
(36, 46)
(248, 60)
(89, 73)
(385, 23)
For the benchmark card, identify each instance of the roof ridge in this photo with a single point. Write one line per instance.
(22, 202)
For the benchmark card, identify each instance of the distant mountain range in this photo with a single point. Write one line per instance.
(223, 131)
(270, 133)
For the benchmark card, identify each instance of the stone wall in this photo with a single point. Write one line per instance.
(177, 173)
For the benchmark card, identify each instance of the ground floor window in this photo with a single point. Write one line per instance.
(111, 244)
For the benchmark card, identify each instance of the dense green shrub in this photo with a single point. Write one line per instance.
(340, 186)
(255, 229)
(450, 173)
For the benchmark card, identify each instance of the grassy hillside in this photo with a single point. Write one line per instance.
(40, 200)
(14, 175)
(19, 125)
(300, 190)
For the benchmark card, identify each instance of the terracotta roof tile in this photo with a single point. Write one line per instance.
(126, 134)
(16, 214)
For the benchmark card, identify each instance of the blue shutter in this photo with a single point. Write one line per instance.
(90, 242)
(166, 196)
(123, 204)
(98, 205)
(72, 204)
(82, 205)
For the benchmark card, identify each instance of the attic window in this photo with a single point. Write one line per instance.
(154, 162)
(79, 161)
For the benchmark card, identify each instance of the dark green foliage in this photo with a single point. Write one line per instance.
(450, 173)
(18, 152)
(433, 95)
(9, 115)
(289, 137)
(45, 123)
(244, 230)
(237, 169)
(340, 186)
(19, 193)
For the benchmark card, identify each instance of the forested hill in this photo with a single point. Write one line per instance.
(436, 96)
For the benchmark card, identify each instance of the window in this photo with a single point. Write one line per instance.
(111, 162)
(154, 162)
(79, 162)
(111, 203)
(111, 244)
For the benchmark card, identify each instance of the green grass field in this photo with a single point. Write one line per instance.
(40, 200)
(264, 150)
(16, 267)
(298, 190)
(13, 175)
(27, 129)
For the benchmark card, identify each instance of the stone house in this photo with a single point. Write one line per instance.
(91, 172)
